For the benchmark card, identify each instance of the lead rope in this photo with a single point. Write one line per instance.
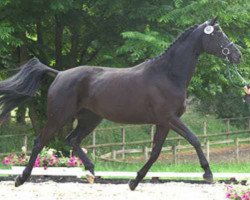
(239, 75)
(235, 69)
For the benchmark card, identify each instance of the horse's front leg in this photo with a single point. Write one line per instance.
(159, 139)
(178, 126)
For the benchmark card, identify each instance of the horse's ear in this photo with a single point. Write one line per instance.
(213, 21)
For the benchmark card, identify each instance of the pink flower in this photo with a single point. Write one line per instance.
(72, 161)
(229, 188)
(37, 162)
(6, 161)
(245, 197)
(228, 195)
(21, 160)
(53, 161)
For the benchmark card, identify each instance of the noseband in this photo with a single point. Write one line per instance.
(225, 50)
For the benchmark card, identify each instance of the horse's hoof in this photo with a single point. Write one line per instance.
(132, 185)
(90, 177)
(208, 178)
(18, 181)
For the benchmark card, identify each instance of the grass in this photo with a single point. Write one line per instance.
(161, 167)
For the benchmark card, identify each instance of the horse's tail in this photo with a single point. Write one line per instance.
(23, 85)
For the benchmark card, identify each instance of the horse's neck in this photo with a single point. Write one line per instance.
(179, 62)
(183, 67)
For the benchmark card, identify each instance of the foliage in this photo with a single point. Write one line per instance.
(226, 105)
(61, 146)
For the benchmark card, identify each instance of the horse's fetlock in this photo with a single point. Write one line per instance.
(205, 166)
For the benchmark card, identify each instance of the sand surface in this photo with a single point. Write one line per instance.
(145, 191)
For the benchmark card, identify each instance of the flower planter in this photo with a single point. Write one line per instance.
(51, 171)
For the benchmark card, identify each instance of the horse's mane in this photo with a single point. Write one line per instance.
(180, 38)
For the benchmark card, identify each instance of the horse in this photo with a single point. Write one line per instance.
(153, 92)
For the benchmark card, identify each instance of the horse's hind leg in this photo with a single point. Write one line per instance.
(45, 136)
(59, 113)
(87, 121)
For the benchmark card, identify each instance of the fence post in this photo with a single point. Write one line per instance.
(93, 143)
(152, 135)
(114, 154)
(236, 141)
(207, 150)
(178, 148)
(146, 153)
(228, 128)
(174, 148)
(249, 124)
(205, 132)
(25, 142)
(123, 142)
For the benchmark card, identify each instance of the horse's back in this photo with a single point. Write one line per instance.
(83, 85)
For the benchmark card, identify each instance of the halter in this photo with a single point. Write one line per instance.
(226, 52)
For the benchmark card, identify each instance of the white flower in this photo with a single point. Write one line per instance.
(24, 150)
(51, 152)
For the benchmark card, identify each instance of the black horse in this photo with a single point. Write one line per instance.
(152, 92)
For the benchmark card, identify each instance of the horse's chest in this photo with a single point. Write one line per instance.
(170, 105)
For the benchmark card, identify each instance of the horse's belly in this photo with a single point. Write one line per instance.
(119, 110)
(122, 99)
(128, 117)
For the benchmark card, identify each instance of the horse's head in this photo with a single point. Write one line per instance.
(216, 42)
